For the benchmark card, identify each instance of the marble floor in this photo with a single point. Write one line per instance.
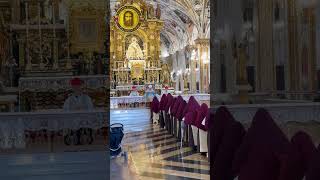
(55, 166)
(152, 152)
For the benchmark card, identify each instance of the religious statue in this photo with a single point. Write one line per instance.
(165, 74)
(134, 51)
(158, 11)
(12, 68)
(126, 63)
(46, 51)
(144, 10)
(99, 65)
(241, 64)
(150, 11)
(128, 18)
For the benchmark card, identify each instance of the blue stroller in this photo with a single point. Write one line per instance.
(116, 136)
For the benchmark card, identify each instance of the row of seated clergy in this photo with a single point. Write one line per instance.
(186, 121)
(170, 100)
(154, 108)
(263, 152)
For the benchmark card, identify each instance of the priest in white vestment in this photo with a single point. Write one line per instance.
(78, 100)
(134, 91)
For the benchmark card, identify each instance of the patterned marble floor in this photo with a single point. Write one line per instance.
(153, 153)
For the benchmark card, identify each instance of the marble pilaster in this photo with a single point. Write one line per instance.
(265, 65)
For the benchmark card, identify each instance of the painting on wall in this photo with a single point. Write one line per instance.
(87, 30)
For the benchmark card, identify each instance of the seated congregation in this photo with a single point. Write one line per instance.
(260, 152)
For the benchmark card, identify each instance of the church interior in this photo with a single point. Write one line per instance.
(233, 94)
(158, 46)
(158, 90)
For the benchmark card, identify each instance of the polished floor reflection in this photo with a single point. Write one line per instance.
(55, 166)
(152, 152)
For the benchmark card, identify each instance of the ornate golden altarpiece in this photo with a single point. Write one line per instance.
(49, 48)
(47, 45)
(135, 44)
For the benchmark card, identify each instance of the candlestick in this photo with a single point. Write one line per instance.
(68, 65)
(42, 65)
(55, 58)
(29, 64)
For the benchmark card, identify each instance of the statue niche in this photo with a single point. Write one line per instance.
(134, 50)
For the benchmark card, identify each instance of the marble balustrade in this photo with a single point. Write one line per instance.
(14, 125)
(116, 101)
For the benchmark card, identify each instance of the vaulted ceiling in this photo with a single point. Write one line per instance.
(184, 21)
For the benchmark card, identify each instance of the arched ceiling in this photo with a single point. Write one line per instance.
(184, 21)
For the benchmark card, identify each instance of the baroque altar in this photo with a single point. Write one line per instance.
(50, 42)
(135, 44)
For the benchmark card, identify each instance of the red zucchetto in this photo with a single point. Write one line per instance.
(76, 82)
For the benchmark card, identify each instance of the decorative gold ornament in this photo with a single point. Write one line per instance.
(128, 18)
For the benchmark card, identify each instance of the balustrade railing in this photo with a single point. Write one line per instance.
(19, 129)
(125, 101)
